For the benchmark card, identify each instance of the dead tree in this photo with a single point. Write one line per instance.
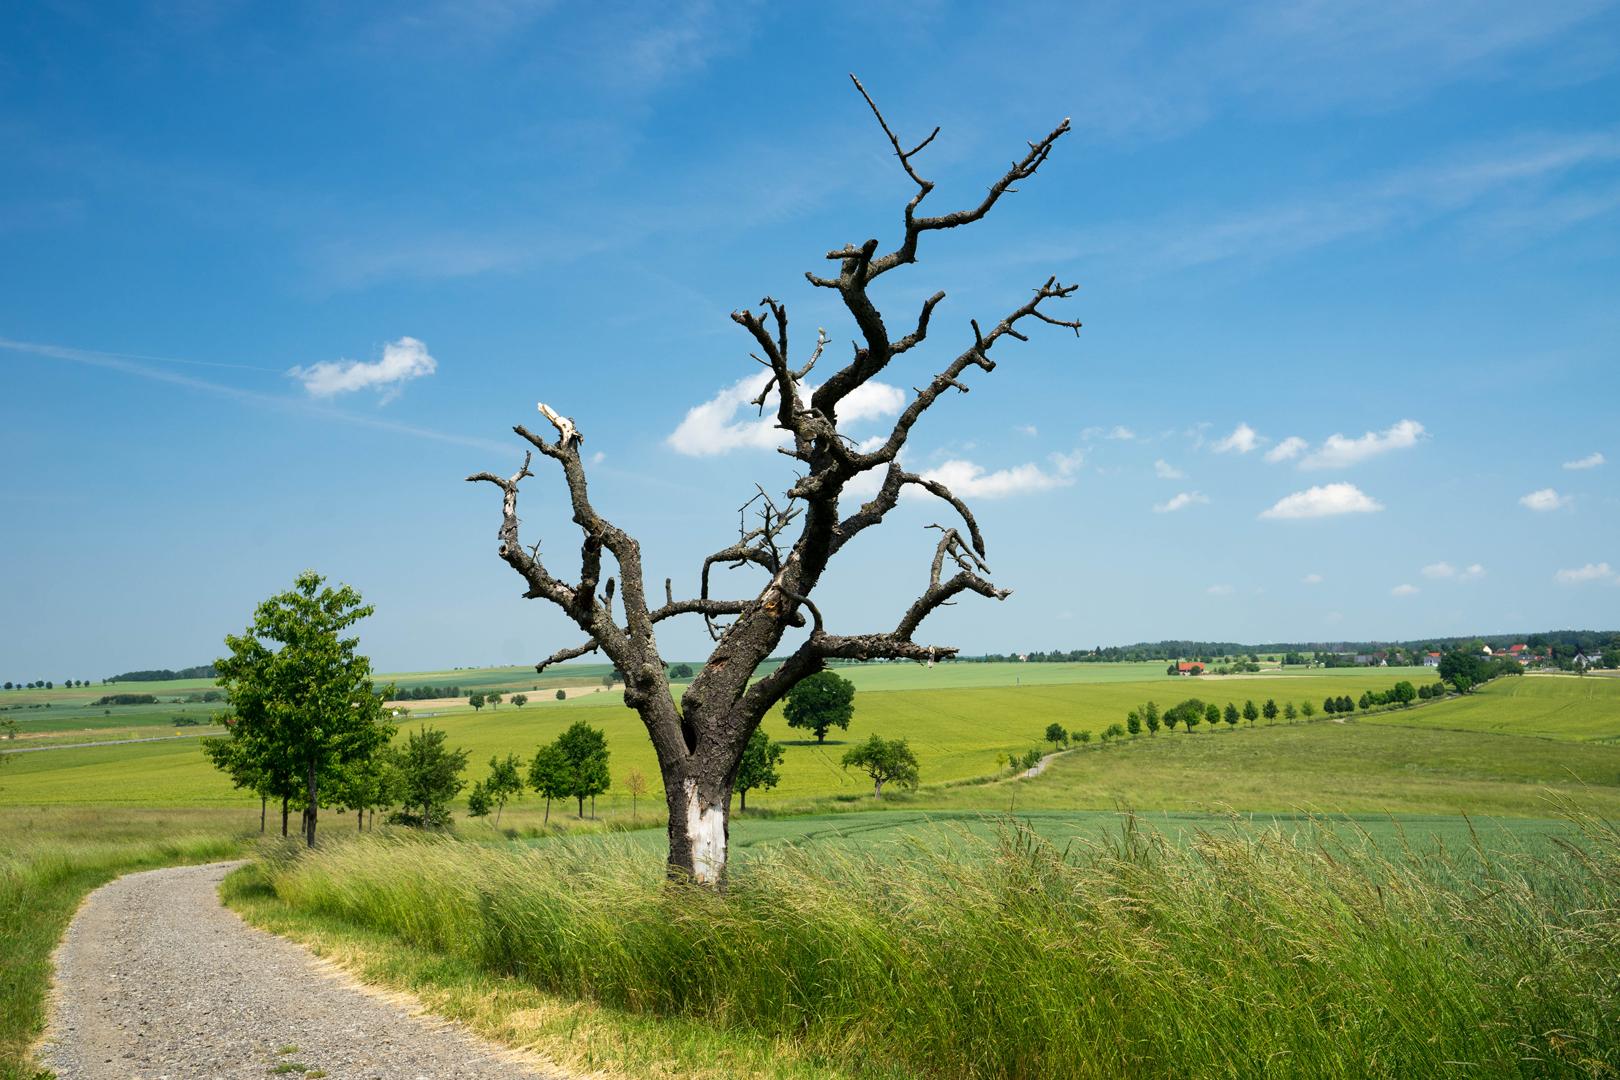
(701, 743)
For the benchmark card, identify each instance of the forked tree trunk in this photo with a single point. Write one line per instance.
(701, 744)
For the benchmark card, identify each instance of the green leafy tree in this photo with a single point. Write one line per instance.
(819, 702)
(1112, 732)
(562, 695)
(1231, 721)
(635, 782)
(302, 696)
(584, 750)
(1366, 701)
(1289, 712)
(493, 700)
(1269, 710)
(478, 801)
(885, 761)
(1031, 759)
(1212, 715)
(1230, 714)
(1307, 709)
(1055, 735)
(1150, 717)
(758, 767)
(365, 786)
(520, 700)
(476, 701)
(1082, 737)
(1403, 693)
(681, 671)
(1424, 693)
(1172, 717)
(1192, 714)
(429, 775)
(505, 782)
(1250, 712)
(1133, 722)
(550, 776)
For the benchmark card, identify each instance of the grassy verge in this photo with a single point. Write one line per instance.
(50, 858)
(1241, 951)
(577, 1036)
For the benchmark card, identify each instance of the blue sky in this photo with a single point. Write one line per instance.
(276, 277)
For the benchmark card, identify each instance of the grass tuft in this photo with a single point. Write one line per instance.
(1232, 951)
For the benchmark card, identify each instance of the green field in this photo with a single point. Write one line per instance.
(1409, 760)
(1544, 706)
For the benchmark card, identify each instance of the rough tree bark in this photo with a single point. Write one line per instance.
(700, 744)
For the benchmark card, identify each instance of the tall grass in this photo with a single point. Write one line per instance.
(1230, 953)
(49, 859)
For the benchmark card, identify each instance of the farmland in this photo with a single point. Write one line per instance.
(1435, 758)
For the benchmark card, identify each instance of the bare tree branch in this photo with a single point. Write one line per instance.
(567, 654)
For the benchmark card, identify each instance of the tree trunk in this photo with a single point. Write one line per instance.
(310, 810)
(877, 788)
(284, 802)
(742, 793)
(498, 808)
(547, 819)
(581, 799)
(264, 803)
(360, 820)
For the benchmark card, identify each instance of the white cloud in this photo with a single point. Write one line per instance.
(1444, 570)
(1243, 439)
(1323, 501)
(1288, 449)
(968, 480)
(1067, 464)
(1589, 572)
(1167, 471)
(1590, 461)
(401, 361)
(1404, 590)
(712, 428)
(1027, 429)
(1339, 451)
(598, 457)
(1118, 431)
(1545, 499)
(1311, 579)
(1219, 590)
(1179, 501)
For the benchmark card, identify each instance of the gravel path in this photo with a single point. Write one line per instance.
(156, 980)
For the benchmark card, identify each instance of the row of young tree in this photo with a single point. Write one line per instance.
(46, 684)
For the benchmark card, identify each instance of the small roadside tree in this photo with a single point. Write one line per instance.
(1289, 712)
(429, 775)
(1307, 709)
(562, 695)
(478, 802)
(476, 701)
(886, 762)
(1366, 701)
(1250, 712)
(1403, 693)
(1150, 717)
(1212, 715)
(302, 696)
(1056, 735)
(819, 702)
(493, 700)
(550, 776)
(1269, 710)
(1230, 714)
(1133, 722)
(505, 782)
(585, 754)
(520, 700)
(758, 766)
(635, 782)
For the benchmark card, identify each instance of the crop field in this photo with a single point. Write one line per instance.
(1545, 706)
(1412, 760)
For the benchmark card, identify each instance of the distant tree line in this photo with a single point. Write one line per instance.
(205, 671)
(420, 693)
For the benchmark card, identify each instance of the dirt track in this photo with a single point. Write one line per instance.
(156, 979)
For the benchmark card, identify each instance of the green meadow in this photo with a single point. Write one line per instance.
(1583, 708)
(1433, 758)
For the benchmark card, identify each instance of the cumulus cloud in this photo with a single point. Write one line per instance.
(1545, 499)
(1067, 464)
(1288, 449)
(968, 480)
(1243, 439)
(1219, 590)
(1339, 451)
(713, 428)
(1311, 579)
(1027, 429)
(1404, 590)
(1590, 461)
(1167, 471)
(1589, 572)
(1324, 501)
(402, 361)
(1179, 501)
